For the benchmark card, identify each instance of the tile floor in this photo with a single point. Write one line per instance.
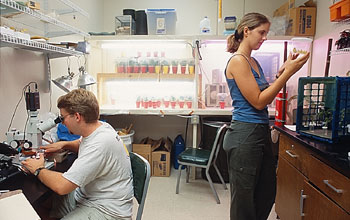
(195, 200)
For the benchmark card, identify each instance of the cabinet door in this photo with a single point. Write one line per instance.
(330, 182)
(294, 153)
(289, 186)
(317, 206)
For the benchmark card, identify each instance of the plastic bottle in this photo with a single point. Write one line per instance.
(204, 26)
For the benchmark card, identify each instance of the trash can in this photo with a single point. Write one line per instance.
(209, 127)
(128, 139)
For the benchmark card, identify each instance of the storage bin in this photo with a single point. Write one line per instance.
(161, 21)
(340, 10)
(323, 110)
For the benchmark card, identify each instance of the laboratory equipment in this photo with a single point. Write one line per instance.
(32, 137)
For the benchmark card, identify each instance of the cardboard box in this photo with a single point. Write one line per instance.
(161, 158)
(161, 163)
(157, 153)
(284, 9)
(302, 21)
(144, 150)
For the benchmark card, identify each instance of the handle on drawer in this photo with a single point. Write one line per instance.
(332, 187)
(290, 154)
(302, 197)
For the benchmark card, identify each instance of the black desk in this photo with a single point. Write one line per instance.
(32, 188)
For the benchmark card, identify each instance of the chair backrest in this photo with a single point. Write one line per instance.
(217, 143)
(141, 172)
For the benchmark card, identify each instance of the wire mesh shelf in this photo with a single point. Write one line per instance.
(52, 51)
(16, 9)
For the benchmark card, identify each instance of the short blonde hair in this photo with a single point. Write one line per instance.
(81, 101)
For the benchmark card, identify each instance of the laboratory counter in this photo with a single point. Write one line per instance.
(313, 178)
(334, 155)
(32, 188)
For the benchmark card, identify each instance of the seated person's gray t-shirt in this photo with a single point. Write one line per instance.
(103, 173)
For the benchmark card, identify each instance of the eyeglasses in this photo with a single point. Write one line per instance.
(61, 117)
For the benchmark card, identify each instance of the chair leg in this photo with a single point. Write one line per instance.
(188, 169)
(212, 186)
(178, 179)
(219, 174)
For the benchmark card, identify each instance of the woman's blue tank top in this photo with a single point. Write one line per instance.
(242, 109)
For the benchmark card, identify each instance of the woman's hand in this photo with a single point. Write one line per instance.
(291, 56)
(293, 64)
(55, 147)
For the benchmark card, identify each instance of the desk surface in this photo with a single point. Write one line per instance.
(32, 188)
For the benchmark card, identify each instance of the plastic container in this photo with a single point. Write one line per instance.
(127, 139)
(161, 21)
(323, 108)
(230, 23)
(300, 45)
(204, 26)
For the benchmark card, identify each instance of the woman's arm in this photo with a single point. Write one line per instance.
(239, 69)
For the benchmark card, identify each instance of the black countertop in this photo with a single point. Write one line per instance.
(32, 188)
(334, 155)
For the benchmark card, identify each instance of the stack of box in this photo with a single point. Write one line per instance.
(157, 153)
(301, 20)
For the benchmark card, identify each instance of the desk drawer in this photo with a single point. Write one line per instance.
(333, 184)
(294, 153)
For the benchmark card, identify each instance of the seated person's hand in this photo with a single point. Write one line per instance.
(31, 164)
(54, 147)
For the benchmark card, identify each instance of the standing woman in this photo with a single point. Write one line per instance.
(251, 163)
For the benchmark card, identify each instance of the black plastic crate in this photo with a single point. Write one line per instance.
(323, 110)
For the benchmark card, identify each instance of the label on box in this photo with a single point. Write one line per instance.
(161, 26)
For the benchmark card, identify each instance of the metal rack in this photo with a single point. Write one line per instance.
(19, 10)
(50, 50)
(340, 52)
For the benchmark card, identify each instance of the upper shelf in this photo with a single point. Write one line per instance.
(52, 51)
(65, 7)
(37, 20)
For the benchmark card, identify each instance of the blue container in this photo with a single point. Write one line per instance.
(179, 146)
(323, 109)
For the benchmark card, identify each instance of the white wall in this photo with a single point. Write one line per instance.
(18, 67)
(190, 12)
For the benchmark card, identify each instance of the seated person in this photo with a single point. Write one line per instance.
(99, 183)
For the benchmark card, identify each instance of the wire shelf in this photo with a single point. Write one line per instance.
(52, 51)
(340, 51)
(44, 18)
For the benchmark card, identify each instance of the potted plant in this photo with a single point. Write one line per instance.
(183, 64)
(165, 66)
(151, 65)
(191, 67)
(326, 117)
(174, 64)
